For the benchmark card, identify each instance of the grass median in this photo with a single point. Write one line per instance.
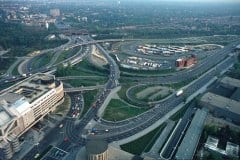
(144, 143)
(118, 110)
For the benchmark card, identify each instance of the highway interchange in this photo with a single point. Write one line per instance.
(74, 130)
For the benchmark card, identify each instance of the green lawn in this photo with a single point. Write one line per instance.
(67, 54)
(87, 82)
(89, 97)
(84, 68)
(41, 61)
(143, 73)
(144, 143)
(179, 114)
(118, 110)
(134, 91)
(180, 84)
(64, 107)
(5, 64)
(15, 70)
(122, 93)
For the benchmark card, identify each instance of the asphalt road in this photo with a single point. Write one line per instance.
(139, 123)
(172, 145)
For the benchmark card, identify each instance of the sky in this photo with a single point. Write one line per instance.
(200, 1)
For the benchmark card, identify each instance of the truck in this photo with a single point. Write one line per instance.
(179, 92)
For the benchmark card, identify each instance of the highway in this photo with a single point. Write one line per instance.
(78, 89)
(171, 147)
(72, 130)
(146, 119)
(75, 130)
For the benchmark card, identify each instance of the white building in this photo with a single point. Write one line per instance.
(23, 105)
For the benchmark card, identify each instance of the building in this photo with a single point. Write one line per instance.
(97, 150)
(186, 62)
(231, 150)
(23, 105)
(231, 83)
(55, 12)
(189, 143)
(222, 106)
(237, 48)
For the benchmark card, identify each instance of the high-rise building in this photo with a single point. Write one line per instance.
(23, 105)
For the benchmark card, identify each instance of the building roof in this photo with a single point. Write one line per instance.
(236, 95)
(15, 100)
(238, 46)
(10, 97)
(96, 146)
(221, 102)
(211, 143)
(189, 143)
(21, 106)
(231, 82)
(4, 118)
(30, 88)
(232, 149)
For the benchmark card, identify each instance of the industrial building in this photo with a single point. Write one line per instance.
(189, 143)
(97, 150)
(229, 82)
(186, 62)
(222, 106)
(23, 105)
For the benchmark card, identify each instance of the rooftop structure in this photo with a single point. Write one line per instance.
(231, 82)
(236, 95)
(238, 47)
(189, 143)
(222, 106)
(113, 154)
(231, 150)
(23, 105)
(97, 150)
(211, 142)
(186, 62)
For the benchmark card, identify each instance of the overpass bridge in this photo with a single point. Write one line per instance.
(101, 41)
(79, 89)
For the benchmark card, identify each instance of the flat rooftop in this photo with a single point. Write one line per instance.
(221, 102)
(16, 100)
(238, 46)
(231, 82)
(236, 95)
(189, 143)
(30, 88)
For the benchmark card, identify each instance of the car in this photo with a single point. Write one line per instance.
(37, 155)
(66, 139)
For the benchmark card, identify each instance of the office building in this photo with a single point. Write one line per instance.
(23, 105)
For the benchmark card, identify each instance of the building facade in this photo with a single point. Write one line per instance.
(23, 105)
(97, 150)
